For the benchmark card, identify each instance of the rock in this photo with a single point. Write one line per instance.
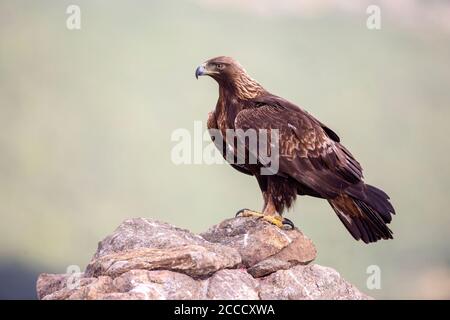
(122, 296)
(49, 283)
(161, 285)
(300, 251)
(311, 282)
(240, 258)
(145, 244)
(141, 233)
(258, 241)
(193, 260)
(86, 289)
(268, 266)
(232, 285)
(94, 290)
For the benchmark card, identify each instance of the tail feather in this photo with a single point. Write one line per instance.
(380, 201)
(365, 216)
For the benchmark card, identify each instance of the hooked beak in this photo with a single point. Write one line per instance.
(200, 71)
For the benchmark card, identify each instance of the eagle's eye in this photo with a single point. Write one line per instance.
(220, 66)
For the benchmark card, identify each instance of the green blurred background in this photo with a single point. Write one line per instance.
(86, 118)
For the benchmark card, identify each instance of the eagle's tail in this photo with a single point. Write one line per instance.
(365, 213)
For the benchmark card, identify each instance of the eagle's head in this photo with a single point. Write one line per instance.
(219, 68)
(231, 75)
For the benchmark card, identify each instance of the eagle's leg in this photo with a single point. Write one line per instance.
(271, 215)
(274, 190)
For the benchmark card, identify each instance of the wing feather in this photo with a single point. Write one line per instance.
(220, 145)
(309, 151)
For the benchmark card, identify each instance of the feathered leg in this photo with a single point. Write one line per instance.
(269, 212)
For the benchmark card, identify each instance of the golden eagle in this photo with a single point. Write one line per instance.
(312, 160)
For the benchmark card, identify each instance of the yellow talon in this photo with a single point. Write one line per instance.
(249, 213)
(276, 220)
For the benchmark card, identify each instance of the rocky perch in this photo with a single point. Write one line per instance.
(240, 258)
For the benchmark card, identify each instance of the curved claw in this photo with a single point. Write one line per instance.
(287, 222)
(240, 212)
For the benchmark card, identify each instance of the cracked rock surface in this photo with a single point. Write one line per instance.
(240, 258)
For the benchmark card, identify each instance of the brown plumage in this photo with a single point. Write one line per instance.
(312, 161)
